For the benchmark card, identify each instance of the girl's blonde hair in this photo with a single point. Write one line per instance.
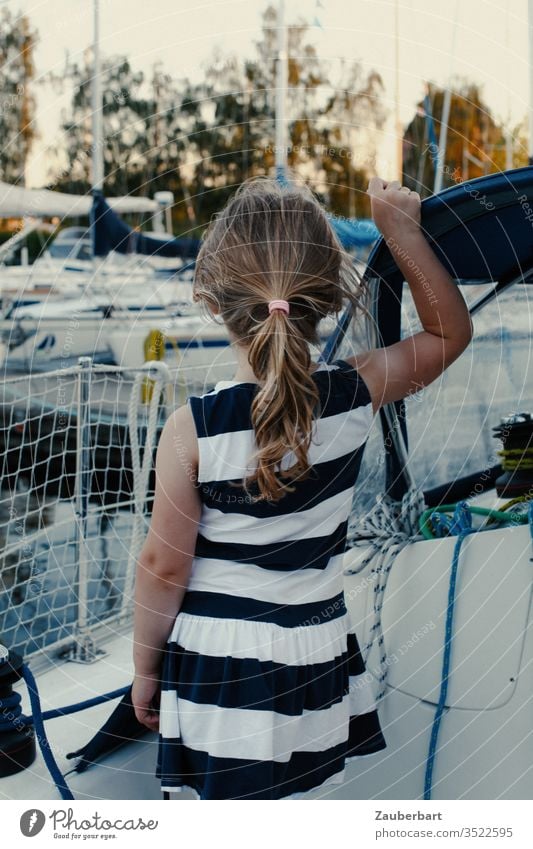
(275, 242)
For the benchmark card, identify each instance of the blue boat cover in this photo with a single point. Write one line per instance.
(354, 233)
(110, 233)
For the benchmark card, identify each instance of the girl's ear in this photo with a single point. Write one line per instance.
(213, 307)
(211, 304)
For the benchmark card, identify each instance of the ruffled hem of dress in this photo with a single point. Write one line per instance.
(337, 778)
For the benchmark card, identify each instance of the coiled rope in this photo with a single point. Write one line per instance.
(445, 523)
(391, 525)
(516, 458)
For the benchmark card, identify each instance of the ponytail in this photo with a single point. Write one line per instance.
(283, 409)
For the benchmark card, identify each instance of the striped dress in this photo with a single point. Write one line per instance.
(264, 693)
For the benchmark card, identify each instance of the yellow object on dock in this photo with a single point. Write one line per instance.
(154, 349)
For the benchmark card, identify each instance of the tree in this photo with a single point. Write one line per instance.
(329, 126)
(126, 127)
(475, 142)
(145, 128)
(352, 120)
(17, 104)
(201, 140)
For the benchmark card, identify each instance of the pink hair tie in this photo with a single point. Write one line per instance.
(278, 305)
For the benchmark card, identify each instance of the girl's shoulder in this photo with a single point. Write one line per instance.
(341, 380)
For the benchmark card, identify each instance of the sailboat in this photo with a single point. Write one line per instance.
(67, 268)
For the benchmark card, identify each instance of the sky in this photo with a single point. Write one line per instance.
(485, 40)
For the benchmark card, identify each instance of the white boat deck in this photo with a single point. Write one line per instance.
(127, 773)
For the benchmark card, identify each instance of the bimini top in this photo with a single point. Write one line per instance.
(19, 202)
(480, 230)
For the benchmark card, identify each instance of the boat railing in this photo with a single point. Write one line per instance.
(72, 511)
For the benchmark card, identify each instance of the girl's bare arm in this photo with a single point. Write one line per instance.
(393, 372)
(164, 564)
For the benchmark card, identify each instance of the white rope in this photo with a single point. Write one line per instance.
(391, 525)
(142, 469)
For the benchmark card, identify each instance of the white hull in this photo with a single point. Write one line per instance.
(67, 269)
(196, 345)
(60, 341)
(106, 285)
(76, 328)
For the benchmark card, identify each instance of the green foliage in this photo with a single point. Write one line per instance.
(332, 131)
(17, 105)
(127, 117)
(201, 140)
(475, 142)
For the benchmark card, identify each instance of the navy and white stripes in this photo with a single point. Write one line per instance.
(264, 691)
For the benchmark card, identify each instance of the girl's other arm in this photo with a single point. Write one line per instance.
(393, 372)
(164, 563)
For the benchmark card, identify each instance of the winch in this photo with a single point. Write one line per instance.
(17, 737)
(515, 432)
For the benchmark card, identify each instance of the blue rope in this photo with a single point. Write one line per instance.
(441, 524)
(40, 731)
(11, 716)
(96, 700)
(462, 525)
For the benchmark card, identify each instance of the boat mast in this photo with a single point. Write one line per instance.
(282, 73)
(399, 128)
(509, 141)
(96, 91)
(530, 57)
(443, 137)
(445, 117)
(97, 124)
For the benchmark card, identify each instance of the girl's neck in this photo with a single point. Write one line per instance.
(244, 371)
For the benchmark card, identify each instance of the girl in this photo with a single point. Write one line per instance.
(246, 660)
